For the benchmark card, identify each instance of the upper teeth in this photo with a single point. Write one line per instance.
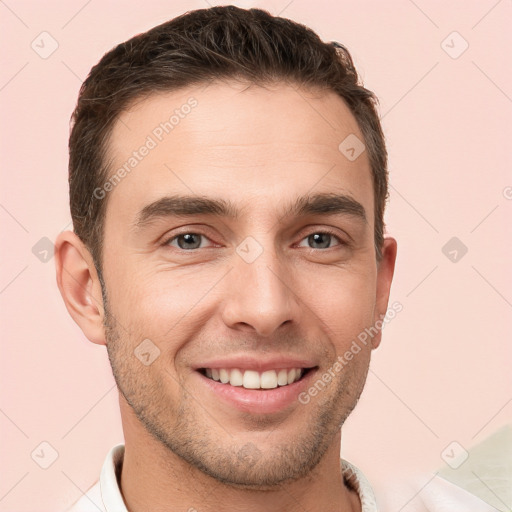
(251, 379)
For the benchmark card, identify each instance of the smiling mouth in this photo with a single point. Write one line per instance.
(251, 379)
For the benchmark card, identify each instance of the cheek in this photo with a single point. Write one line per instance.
(346, 302)
(163, 305)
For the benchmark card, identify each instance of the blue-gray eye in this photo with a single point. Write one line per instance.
(187, 241)
(321, 240)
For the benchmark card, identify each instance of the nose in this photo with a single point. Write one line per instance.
(260, 295)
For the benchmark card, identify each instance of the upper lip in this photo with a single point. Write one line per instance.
(258, 363)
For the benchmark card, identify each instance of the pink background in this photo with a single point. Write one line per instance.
(442, 373)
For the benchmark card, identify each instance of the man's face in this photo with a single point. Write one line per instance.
(263, 290)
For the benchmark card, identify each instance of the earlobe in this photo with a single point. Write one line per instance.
(385, 271)
(79, 285)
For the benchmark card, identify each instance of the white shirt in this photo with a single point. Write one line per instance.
(105, 495)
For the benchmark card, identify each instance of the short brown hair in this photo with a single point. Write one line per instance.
(197, 47)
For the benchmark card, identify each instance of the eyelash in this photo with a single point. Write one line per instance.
(324, 231)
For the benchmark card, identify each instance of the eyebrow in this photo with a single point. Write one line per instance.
(185, 206)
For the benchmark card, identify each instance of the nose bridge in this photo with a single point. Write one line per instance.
(260, 295)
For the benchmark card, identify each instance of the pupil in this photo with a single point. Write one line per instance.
(189, 241)
(321, 239)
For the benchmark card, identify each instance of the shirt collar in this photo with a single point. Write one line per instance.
(109, 486)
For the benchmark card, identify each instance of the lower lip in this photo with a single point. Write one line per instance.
(259, 401)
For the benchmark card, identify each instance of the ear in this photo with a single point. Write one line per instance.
(385, 271)
(79, 285)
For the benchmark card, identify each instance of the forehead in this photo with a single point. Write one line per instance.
(249, 144)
